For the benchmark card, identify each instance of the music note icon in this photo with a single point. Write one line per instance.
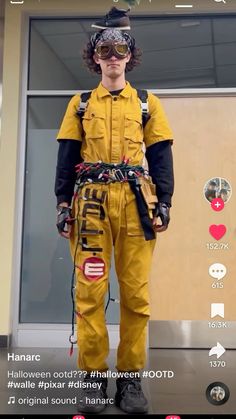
(11, 400)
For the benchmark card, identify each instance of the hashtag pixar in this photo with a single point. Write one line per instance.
(51, 384)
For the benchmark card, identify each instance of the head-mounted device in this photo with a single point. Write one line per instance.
(108, 49)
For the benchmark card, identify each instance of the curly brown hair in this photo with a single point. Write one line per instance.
(88, 54)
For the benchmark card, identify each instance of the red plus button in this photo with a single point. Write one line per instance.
(217, 204)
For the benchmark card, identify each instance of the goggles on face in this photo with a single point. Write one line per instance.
(106, 50)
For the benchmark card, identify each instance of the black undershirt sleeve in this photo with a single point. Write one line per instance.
(68, 157)
(160, 163)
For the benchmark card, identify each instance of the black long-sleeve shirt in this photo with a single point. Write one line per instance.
(159, 158)
(68, 157)
(160, 164)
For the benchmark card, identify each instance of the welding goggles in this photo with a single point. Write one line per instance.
(107, 50)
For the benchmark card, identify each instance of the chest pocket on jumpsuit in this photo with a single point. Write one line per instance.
(94, 134)
(133, 136)
(94, 123)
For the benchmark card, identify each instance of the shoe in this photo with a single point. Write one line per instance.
(93, 398)
(115, 18)
(129, 396)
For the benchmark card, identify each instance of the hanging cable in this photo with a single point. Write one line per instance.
(72, 339)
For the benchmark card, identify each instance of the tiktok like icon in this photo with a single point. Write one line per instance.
(217, 231)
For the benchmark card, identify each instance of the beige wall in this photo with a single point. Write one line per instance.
(1, 59)
(179, 291)
(8, 159)
(204, 147)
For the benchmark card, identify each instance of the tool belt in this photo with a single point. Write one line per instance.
(138, 179)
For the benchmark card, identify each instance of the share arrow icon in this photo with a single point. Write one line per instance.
(218, 350)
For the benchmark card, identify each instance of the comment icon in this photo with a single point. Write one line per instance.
(217, 271)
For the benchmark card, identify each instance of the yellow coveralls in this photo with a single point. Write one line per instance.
(107, 216)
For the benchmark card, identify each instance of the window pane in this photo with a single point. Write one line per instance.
(46, 262)
(178, 52)
(56, 55)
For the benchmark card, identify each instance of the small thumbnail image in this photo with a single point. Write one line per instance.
(217, 393)
(217, 187)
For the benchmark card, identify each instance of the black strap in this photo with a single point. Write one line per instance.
(143, 96)
(84, 97)
(145, 220)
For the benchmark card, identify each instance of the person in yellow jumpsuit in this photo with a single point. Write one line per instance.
(107, 145)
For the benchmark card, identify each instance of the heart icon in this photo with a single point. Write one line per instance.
(217, 231)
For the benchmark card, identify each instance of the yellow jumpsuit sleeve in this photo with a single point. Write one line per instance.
(71, 127)
(157, 128)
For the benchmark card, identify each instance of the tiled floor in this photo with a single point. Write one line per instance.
(184, 393)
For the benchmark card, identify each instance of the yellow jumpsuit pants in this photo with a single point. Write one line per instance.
(107, 216)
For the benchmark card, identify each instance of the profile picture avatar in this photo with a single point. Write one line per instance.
(217, 188)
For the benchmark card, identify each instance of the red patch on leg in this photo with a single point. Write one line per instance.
(93, 268)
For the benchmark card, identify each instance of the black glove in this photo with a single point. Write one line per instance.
(63, 217)
(162, 210)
